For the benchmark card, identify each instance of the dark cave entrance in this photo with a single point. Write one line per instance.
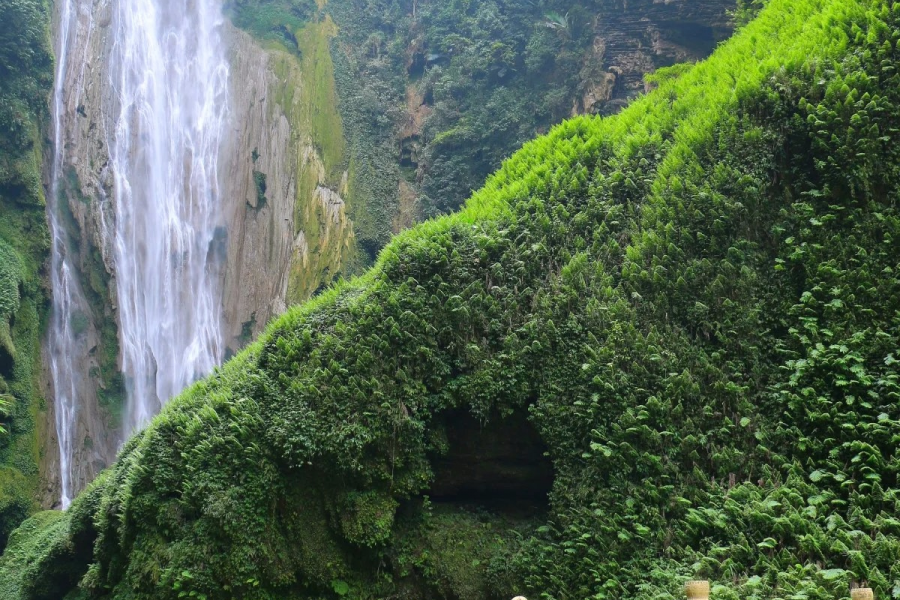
(500, 466)
(7, 362)
(699, 38)
(7, 354)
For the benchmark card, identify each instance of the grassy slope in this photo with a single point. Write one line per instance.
(696, 302)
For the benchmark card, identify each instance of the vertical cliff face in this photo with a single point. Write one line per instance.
(85, 213)
(262, 162)
(287, 228)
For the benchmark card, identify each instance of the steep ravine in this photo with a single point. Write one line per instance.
(680, 321)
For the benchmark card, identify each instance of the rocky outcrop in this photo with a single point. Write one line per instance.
(288, 232)
(632, 39)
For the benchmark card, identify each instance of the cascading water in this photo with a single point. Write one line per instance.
(165, 114)
(68, 299)
(170, 76)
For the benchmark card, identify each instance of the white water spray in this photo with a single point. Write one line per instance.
(169, 74)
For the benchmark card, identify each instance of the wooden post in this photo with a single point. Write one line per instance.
(697, 590)
(862, 594)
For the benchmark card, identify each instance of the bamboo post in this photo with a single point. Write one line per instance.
(862, 594)
(697, 590)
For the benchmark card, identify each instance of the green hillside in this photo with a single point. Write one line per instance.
(26, 75)
(687, 315)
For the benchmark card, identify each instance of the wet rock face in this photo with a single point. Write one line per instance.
(633, 38)
(258, 219)
(283, 223)
(84, 199)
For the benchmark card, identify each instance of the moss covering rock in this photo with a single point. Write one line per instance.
(695, 303)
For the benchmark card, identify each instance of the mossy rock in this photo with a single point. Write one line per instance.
(692, 304)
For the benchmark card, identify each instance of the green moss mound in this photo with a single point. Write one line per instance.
(696, 304)
(45, 556)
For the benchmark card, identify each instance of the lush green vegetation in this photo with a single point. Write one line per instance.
(434, 95)
(746, 10)
(493, 72)
(275, 20)
(696, 303)
(44, 554)
(25, 79)
(488, 75)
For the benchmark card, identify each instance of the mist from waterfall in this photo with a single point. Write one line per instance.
(170, 77)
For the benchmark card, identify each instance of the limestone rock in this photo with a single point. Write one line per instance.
(634, 38)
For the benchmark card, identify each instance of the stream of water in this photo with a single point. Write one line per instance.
(68, 299)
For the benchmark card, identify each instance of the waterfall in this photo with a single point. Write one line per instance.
(68, 299)
(165, 113)
(169, 75)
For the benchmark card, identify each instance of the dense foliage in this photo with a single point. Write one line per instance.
(492, 72)
(271, 19)
(697, 305)
(476, 79)
(25, 79)
(434, 95)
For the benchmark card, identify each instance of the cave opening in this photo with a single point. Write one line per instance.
(7, 355)
(500, 465)
(699, 38)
